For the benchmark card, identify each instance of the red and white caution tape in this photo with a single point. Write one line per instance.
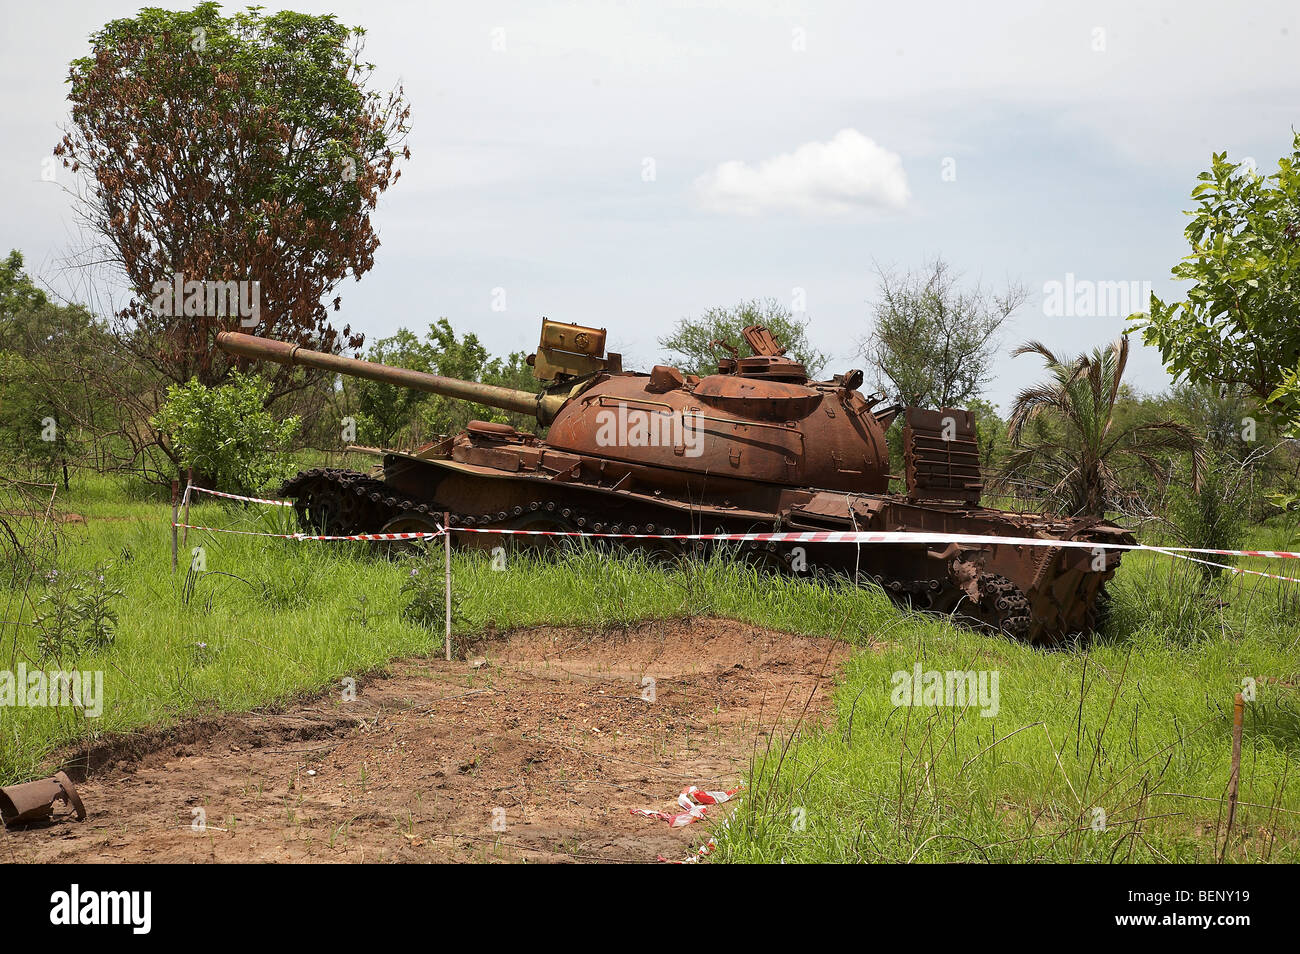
(411, 535)
(694, 803)
(219, 493)
(1225, 566)
(889, 536)
(707, 798)
(701, 853)
(679, 820)
(804, 536)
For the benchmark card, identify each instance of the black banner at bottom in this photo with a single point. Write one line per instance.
(134, 904)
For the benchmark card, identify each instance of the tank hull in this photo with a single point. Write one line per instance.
(1036, 594)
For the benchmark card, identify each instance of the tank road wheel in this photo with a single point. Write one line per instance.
(535, 520)
(409, 522)
(765, 558)
(1002, 607)
(666, 553)
(1098, 614)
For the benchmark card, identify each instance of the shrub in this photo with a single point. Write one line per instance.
(1211, 516)
(226, 434)
(75, 614)
(425, 590)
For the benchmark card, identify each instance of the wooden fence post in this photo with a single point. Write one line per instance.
(446, 549)
(175, 491)
(189, 482)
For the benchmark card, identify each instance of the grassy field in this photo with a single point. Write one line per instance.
(1136, 726)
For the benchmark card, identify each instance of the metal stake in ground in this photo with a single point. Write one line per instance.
(1234, 777)
(446, 549)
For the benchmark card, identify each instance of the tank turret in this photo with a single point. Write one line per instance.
(758, 419)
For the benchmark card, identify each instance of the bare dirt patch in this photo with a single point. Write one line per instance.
(548, 725)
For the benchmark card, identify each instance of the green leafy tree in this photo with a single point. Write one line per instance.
(466, 358)
(990, 432)
(48, 394)
(1078, 455)
(21, 303)
(226, 434)
(691, 345)
(387, 414)
(1223, 416)
(933, 340)
(1212, 515)
(1239, 326)
(1250, 450)
(384, 410)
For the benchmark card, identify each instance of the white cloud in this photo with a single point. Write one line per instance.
(849, 173)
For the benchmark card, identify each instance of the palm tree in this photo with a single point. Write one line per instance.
(1079, 457)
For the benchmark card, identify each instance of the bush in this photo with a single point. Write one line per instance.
(226, 434)
(1212, 516)
(75, 614)
(426, 593)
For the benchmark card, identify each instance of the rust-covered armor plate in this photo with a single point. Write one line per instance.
(754, 447)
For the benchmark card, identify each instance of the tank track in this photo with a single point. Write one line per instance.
(346, 501)
(372, 504)
(335, 501)
(1010, 607)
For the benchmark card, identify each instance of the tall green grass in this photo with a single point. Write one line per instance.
(1118, 751)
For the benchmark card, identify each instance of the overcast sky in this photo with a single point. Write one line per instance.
(625, 164)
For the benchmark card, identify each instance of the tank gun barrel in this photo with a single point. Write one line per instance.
(541, 406)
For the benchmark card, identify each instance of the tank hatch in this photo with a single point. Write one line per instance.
(769, 359)
(765, 400)
(571, 351)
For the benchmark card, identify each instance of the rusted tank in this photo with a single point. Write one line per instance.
(755, 447)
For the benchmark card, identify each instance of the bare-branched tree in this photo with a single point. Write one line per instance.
(933, 339)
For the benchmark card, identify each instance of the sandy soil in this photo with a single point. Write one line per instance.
(548, 727)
